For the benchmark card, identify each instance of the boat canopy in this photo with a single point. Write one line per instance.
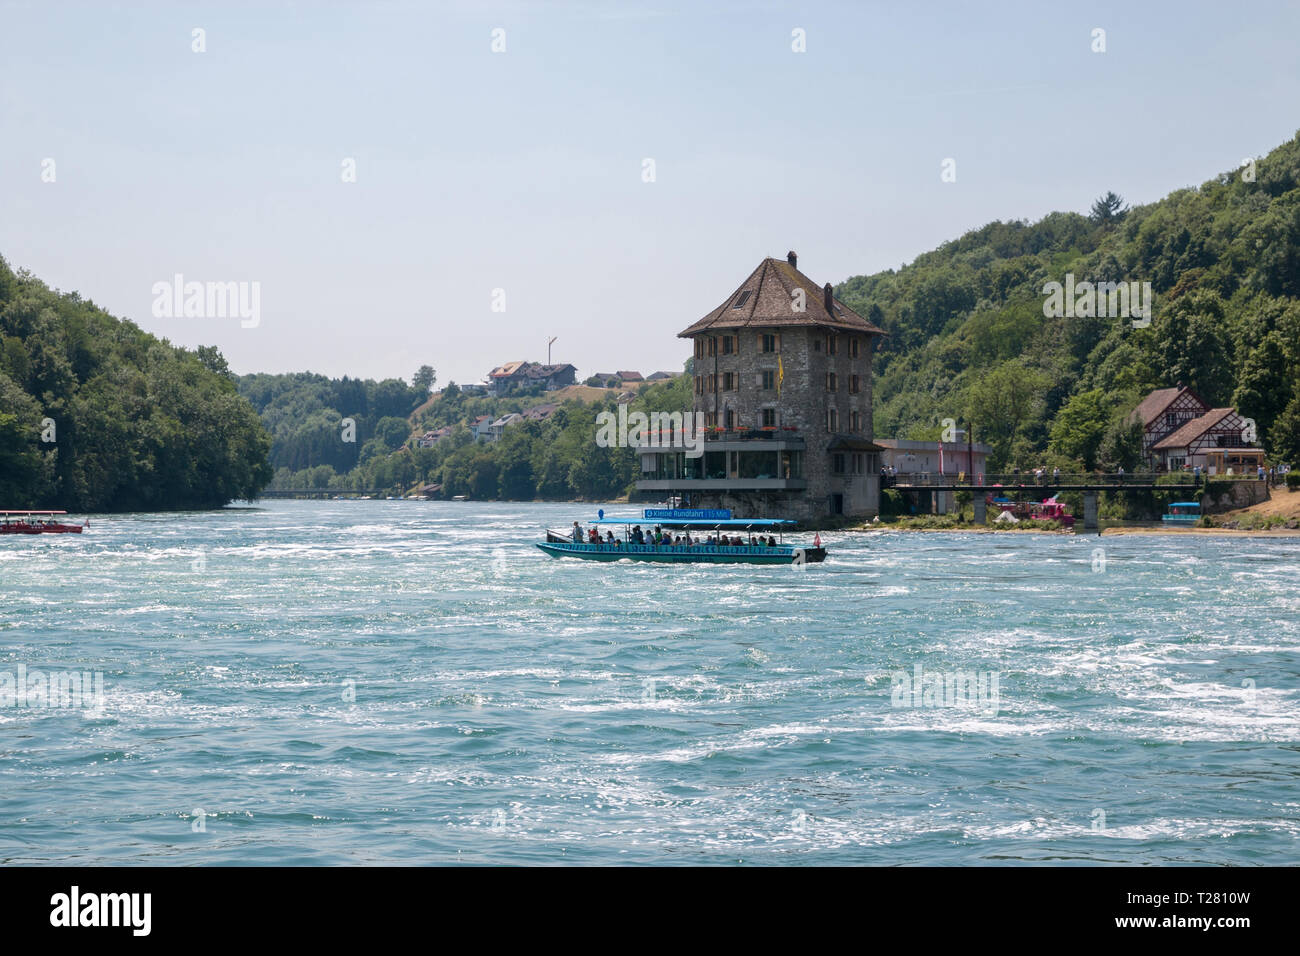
(702, 523)
(33, 512)
(1184, 504)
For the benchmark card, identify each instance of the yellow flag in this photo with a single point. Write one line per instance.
(780, 375)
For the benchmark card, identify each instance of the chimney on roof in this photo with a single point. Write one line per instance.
(830, 300)
(793, 258)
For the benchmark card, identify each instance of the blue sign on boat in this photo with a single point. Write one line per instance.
(687, 514)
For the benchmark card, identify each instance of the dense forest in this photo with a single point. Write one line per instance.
(968, 338)
(97, 415)
(305, 414)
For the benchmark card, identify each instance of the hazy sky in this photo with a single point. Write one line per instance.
(523, 170)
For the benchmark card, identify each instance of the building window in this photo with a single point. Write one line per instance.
(728, 342)
(768, 418)
(853, 347)
(730, 381)
(832, 420)
(855, 421)
(731, 418)
(832, 382)
(699, 385)
(855, 384)
(817, 345)
(699, 348)
(713, 346)
(832, 344)
(767, 342)
(769, 380)
(791, 464)
(837, 464)
(710, 419)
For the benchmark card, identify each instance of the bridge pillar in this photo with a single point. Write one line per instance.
(981, 515)
(1090, 511)
(941, 502)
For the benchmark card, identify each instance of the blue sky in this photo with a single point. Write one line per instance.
(522, 170)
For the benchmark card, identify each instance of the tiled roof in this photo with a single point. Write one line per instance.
(534, 370)
(505, 371)
(540, 413)
(1194, 429)
(770, 302)
(1154, 405)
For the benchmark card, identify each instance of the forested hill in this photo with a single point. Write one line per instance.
(98, 415)
(969, 339)
(307, 415)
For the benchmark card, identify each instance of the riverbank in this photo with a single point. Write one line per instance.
(1222, 532)
(962, 529)
(1276, 532)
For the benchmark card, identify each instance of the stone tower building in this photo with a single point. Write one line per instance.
(782, 376)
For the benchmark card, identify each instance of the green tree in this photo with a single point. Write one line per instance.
(1194, 348)
(1121, 446)
(1001, 402)
(1264, 384)
(1109, 208)
(1080, 426)
(1284, 436)
(424, 378)
(392, 432)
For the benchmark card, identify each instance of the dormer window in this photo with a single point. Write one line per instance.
(741, 300)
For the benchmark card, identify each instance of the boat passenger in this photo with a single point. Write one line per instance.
(577, 533)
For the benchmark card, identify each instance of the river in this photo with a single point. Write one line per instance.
(323, 682)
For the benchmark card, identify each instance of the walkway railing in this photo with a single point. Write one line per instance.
(1049, 481)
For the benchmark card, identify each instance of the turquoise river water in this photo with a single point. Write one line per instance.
(415, 682)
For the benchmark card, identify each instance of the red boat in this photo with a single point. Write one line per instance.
(1048, 510)
(37, 522)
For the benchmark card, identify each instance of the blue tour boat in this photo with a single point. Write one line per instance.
(1183, 512)
(724, 539)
